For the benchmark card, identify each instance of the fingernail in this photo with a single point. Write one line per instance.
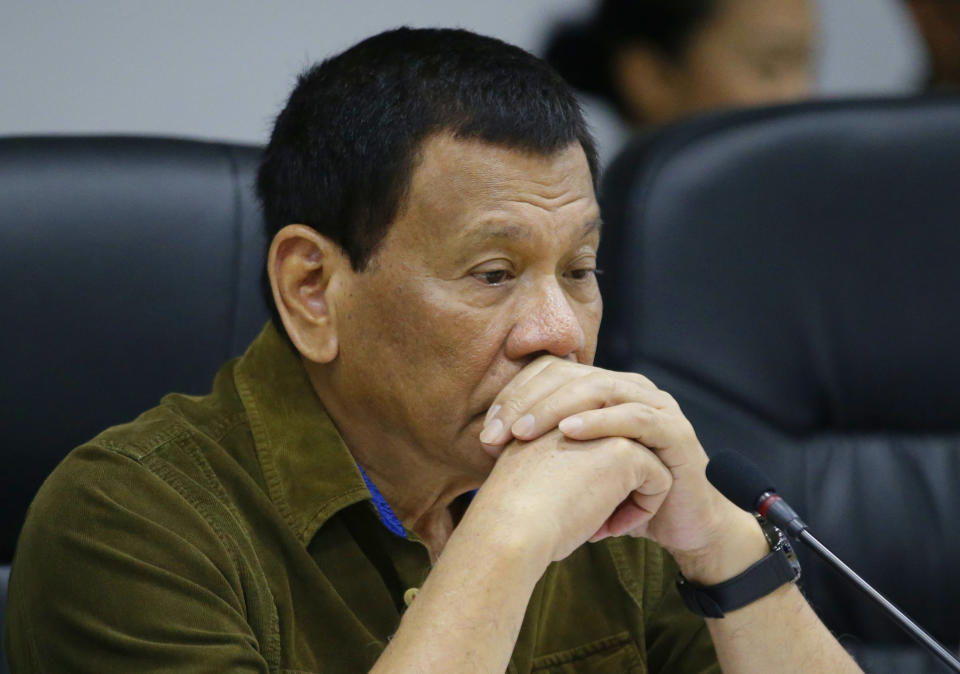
(523, 425)
(570, 425)
(493, 450)
(491, 432)
(492, 412)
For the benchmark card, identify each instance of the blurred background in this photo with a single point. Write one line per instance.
(221, 69)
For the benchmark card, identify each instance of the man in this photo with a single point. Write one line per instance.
(430, 200)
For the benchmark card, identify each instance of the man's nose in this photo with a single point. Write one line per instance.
(546, 323)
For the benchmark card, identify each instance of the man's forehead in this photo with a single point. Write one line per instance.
(476, 166)
(466, 187)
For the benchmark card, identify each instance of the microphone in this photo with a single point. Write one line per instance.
(746, 485)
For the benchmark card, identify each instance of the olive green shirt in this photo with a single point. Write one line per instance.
(235, 533)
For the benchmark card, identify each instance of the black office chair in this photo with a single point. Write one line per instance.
(792, 275)
(129, 268)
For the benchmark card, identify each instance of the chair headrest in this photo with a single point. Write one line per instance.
(800, 259)
(130, 268)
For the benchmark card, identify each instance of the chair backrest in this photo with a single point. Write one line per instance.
(792, 274)
(129, 268)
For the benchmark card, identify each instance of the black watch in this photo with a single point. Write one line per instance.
(776, 569)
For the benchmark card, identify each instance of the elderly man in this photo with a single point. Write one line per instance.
(404, 470)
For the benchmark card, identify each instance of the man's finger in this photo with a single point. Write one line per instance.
(597, 390)
(536, 381)
(662, 430)
(557, 390)
(635, 512)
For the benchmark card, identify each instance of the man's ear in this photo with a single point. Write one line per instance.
(305, 270)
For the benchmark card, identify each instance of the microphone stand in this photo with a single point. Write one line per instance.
(739, 479)
(895, 614)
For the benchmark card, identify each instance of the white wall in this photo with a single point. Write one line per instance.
(868, 47)
(222, 68)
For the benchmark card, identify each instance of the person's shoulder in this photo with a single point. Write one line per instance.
(190, 438)
(140, 516)
(164, 471)
(118, 467)
(207, 418)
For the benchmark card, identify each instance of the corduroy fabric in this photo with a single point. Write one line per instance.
(234, 533)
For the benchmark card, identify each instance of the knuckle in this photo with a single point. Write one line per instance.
(640, 413)
(601, 384)
(655, 476)
(664, 425)
(548, 408)
(640, 379)
(663, 476)
(613, 387)
(688, 433)
(594, 377)
(622, 447)
(588, 382)
(512, 407)
(576, 376)
(655, 466)
(669, 400)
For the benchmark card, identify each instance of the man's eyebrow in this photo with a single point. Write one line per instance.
(512, 232)
(497, 231)
(591, 226)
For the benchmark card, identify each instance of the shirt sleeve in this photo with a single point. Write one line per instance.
(116, 572)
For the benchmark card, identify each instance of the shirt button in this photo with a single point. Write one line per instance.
(410, 595)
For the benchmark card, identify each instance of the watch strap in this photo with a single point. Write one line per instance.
(762, 578)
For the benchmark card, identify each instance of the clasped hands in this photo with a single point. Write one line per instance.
(585, 453)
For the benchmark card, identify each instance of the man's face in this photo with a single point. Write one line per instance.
(489, 264)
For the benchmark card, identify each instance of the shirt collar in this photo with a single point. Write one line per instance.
(384, 511)
(309, 471)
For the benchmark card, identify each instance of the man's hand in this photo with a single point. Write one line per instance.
(553, 493)
(587, 403)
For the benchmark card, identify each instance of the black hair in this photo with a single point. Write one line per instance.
(343, 150)
(583, 52)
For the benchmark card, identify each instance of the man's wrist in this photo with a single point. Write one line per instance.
(738, 543)
(496, 534)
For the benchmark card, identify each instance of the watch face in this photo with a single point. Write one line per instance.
(792, 558)
(779, 541)
(772, 533)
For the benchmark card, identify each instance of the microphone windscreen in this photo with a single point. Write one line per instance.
(738, 478)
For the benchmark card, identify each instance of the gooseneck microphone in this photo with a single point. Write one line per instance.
(743, 483)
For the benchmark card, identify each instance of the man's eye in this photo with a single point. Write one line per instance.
(494, 278)
(583, 274)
